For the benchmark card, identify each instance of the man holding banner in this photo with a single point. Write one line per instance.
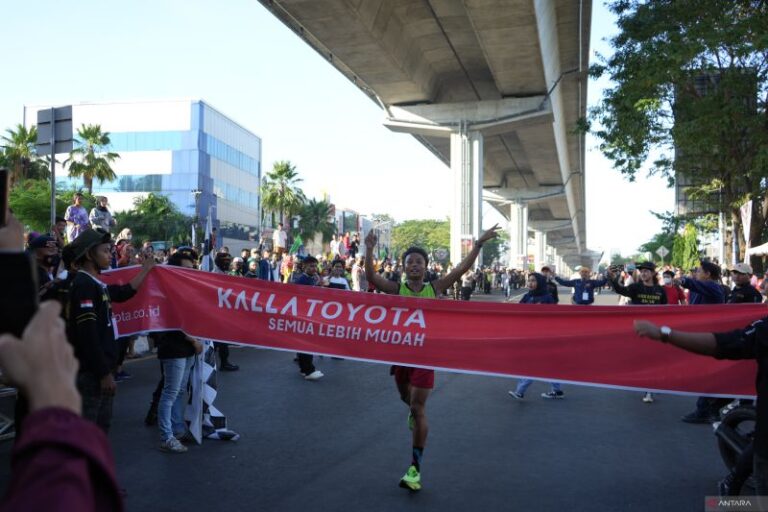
(415, 384)
(747, 343)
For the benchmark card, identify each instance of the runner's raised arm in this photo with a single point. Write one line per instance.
(454, 275)
(384, 285)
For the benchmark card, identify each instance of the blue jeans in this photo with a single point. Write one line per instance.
(170, 410)
(522, 386)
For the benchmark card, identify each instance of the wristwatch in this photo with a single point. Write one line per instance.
(666, 332)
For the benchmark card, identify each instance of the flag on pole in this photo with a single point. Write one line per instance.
(207, 264)
(297, 245)
(205, 420)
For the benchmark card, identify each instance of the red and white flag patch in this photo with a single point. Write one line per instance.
(86, 304)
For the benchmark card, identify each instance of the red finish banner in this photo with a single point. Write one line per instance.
(591, 345)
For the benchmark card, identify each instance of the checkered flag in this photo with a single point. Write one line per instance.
(205, 420)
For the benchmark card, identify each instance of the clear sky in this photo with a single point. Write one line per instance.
(242, 61)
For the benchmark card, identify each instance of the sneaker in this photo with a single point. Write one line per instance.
(515, 394)
(648, 398)
(411, 421)
(172, 445)
(411, 480)
(122, 375)
(315, 375)
(229, 367)
(553, 394)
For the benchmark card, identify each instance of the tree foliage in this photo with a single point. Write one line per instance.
(31, 203)
(90, 159)
(316, 218)
(690, 85)
(155, 217)
(685, 252)
(20, 155)
(663, 239)
(492, 250)
(280, 191)
(427, 234)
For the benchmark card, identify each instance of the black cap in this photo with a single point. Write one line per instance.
(41, 242)
(647, 265)
(183, 253)
(88, 239)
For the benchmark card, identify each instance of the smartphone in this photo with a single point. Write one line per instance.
(3, 196)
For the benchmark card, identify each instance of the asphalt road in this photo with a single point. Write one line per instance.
(342, 443)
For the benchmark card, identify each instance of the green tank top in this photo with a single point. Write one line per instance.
(428, 292)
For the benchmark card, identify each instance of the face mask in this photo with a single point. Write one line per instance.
(667, 280)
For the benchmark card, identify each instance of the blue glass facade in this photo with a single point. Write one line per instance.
(216, 156)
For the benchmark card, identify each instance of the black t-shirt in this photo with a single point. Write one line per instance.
(89, 322)
(745, 295)
(173, 345)
(751, 343)
(642, 294)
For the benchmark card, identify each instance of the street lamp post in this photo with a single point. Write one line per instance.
(196, 223)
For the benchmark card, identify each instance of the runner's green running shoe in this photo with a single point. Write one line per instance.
(411, 421)
(411, 480)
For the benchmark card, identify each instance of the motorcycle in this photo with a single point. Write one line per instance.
(735, 434)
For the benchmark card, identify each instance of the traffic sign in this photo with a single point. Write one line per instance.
(54, 126)
(662, 251)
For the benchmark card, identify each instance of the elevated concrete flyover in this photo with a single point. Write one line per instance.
(494, 88)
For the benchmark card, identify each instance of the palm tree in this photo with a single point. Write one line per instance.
(20, 154)
(316, 218)
(280, 191)
(90, 159)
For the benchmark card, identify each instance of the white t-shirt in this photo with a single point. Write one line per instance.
(279, 238)
(339, 281)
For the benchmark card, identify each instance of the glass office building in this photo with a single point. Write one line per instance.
(174, 148)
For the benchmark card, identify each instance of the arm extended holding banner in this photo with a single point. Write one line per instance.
(703, 343)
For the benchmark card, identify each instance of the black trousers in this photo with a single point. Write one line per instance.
(710, 406)
(223, 350)
(158, 389)
(305, 363)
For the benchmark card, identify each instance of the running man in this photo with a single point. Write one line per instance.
(415, 384)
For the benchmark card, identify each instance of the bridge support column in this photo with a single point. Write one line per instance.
(540, 250)
(466, 213)
(518, 235)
